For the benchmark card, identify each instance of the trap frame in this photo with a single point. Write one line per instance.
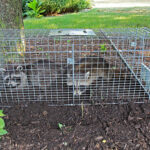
(126, 50)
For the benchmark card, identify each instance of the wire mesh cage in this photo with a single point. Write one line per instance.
(73, 67)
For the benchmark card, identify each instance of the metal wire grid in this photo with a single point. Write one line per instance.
(63, 53)
(133, 45)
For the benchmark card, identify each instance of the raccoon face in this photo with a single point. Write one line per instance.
(81, 82)
(14, 78)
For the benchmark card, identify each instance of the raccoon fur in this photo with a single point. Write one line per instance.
(86, 71)
(41, 73)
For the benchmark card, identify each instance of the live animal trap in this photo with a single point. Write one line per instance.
(71, 67)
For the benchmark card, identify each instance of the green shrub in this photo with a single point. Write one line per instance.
(52, 6)
(2, 124)
(35, 9)
(47, 7)
(24, 6)
(62, 6)
(81, 4)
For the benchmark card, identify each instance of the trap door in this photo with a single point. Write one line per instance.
(132, 45)
(145, 77)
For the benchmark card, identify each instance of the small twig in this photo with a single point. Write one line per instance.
(125, 146)
(82, 109)
(44, 147)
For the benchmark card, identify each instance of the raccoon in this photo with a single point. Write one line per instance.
(86, 71)
(40, 73)
(14, 77)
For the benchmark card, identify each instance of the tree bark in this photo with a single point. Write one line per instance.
(11, 14)
(11, 18)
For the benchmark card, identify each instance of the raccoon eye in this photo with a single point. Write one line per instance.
(19, 68)
(17, 79)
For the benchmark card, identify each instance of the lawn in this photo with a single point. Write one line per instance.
(95, 18)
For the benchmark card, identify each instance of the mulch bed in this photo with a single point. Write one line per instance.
(106, 127)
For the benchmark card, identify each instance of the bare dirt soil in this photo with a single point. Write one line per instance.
(103, 127)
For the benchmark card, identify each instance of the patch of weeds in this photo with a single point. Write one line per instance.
(68, 41)
(61, 126)
(103, 48)
(2, 124)
(40, 49)
(64, 129)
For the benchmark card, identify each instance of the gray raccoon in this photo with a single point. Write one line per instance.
(86, 71)
(14, 76)
(40, 73)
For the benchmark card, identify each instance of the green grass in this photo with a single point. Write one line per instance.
(95, 18)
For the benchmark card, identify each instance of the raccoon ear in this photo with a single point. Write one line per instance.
(87, 74)
(2, 70)
(19, 68)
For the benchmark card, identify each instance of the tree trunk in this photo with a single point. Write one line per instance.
(11, 14)
(11, 18)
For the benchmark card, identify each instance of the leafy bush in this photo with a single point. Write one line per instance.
(35, 9)
(24, 6)
(81, 4)
(61, 6)
(2, 124)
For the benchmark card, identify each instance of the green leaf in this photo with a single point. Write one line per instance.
(32, 4)
(3, 132)
(2, 123)
(36, 11)
(103, 48)
(42, 11)
(1, 113)
(60, 126)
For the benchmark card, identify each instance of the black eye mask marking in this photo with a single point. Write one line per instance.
(16, 79)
